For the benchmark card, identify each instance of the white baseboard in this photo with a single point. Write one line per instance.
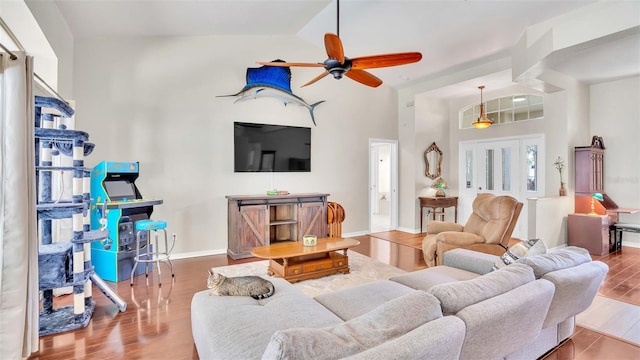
(357, 233)
(188, 255)
(630, 244)
(410, 231)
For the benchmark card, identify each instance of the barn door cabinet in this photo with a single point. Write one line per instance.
(262, 220)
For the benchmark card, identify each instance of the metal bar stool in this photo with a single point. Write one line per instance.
(151, 254)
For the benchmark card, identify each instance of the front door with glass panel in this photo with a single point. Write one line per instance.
(498, 170)
(500, 167)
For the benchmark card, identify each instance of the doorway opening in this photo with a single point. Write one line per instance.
(511, 166)
(383, 185)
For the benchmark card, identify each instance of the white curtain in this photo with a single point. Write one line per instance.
(19, 301)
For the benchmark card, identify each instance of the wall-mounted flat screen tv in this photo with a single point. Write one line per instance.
(271, 148)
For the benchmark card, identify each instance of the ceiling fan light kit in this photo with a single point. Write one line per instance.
(483, 121)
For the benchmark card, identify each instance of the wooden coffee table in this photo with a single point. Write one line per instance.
(294, 261)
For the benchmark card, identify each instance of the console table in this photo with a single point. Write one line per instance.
(438, 202)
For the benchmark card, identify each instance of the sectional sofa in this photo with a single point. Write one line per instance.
(462, 309)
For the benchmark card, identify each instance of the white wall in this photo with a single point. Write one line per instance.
(432, 124)
(407, 198)
(60, 38)
(153, 100)
(547, 219)
(615, 115)
(17, 16)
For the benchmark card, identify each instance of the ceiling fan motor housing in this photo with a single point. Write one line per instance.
(337, 69)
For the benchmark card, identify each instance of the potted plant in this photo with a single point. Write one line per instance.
(559, 164)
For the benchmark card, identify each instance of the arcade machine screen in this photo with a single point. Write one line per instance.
(120, 189)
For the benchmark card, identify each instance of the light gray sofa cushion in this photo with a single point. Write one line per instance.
(239, 327)
(474, 261)
(576, 287)
(455, 296)
(503, 324)
(384, 323)
(566, 257)
(440, 339)
(427, 278)
(370, 296)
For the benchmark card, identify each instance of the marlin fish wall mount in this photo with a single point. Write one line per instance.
(275, 82)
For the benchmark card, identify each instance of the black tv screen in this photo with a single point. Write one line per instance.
(120, 189)
(271, 148)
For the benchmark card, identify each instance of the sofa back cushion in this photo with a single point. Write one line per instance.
(503, 324)
(567, 257)
(576, 287)
(455, 296)
(440, 339)
(386, 322)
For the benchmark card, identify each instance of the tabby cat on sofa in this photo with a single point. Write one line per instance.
(254, 286)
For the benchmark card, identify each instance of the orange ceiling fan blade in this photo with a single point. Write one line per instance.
(334, 47)
(385, 60)
(286, 64)
(316, 79)
(338, 65)
(363, 77)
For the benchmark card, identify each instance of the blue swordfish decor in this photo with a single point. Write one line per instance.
(275, 82)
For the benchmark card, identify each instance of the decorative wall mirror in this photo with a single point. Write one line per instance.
(433, 161)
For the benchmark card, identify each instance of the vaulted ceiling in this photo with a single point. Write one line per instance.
(450, 34)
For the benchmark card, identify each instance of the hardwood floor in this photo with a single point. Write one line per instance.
(623, 279)
(157, 323)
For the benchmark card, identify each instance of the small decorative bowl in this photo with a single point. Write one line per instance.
(309, 240)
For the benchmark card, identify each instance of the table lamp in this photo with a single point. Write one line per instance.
(596, 196)
(440, 185)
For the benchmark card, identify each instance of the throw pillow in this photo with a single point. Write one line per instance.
(520, 250)
(381, 324)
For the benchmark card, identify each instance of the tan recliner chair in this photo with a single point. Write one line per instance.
(488, 229)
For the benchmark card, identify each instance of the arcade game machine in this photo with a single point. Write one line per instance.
(117, 205)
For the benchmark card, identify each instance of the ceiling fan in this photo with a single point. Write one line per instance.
(338, 65)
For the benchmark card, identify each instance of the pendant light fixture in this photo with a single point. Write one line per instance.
(483, 121)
